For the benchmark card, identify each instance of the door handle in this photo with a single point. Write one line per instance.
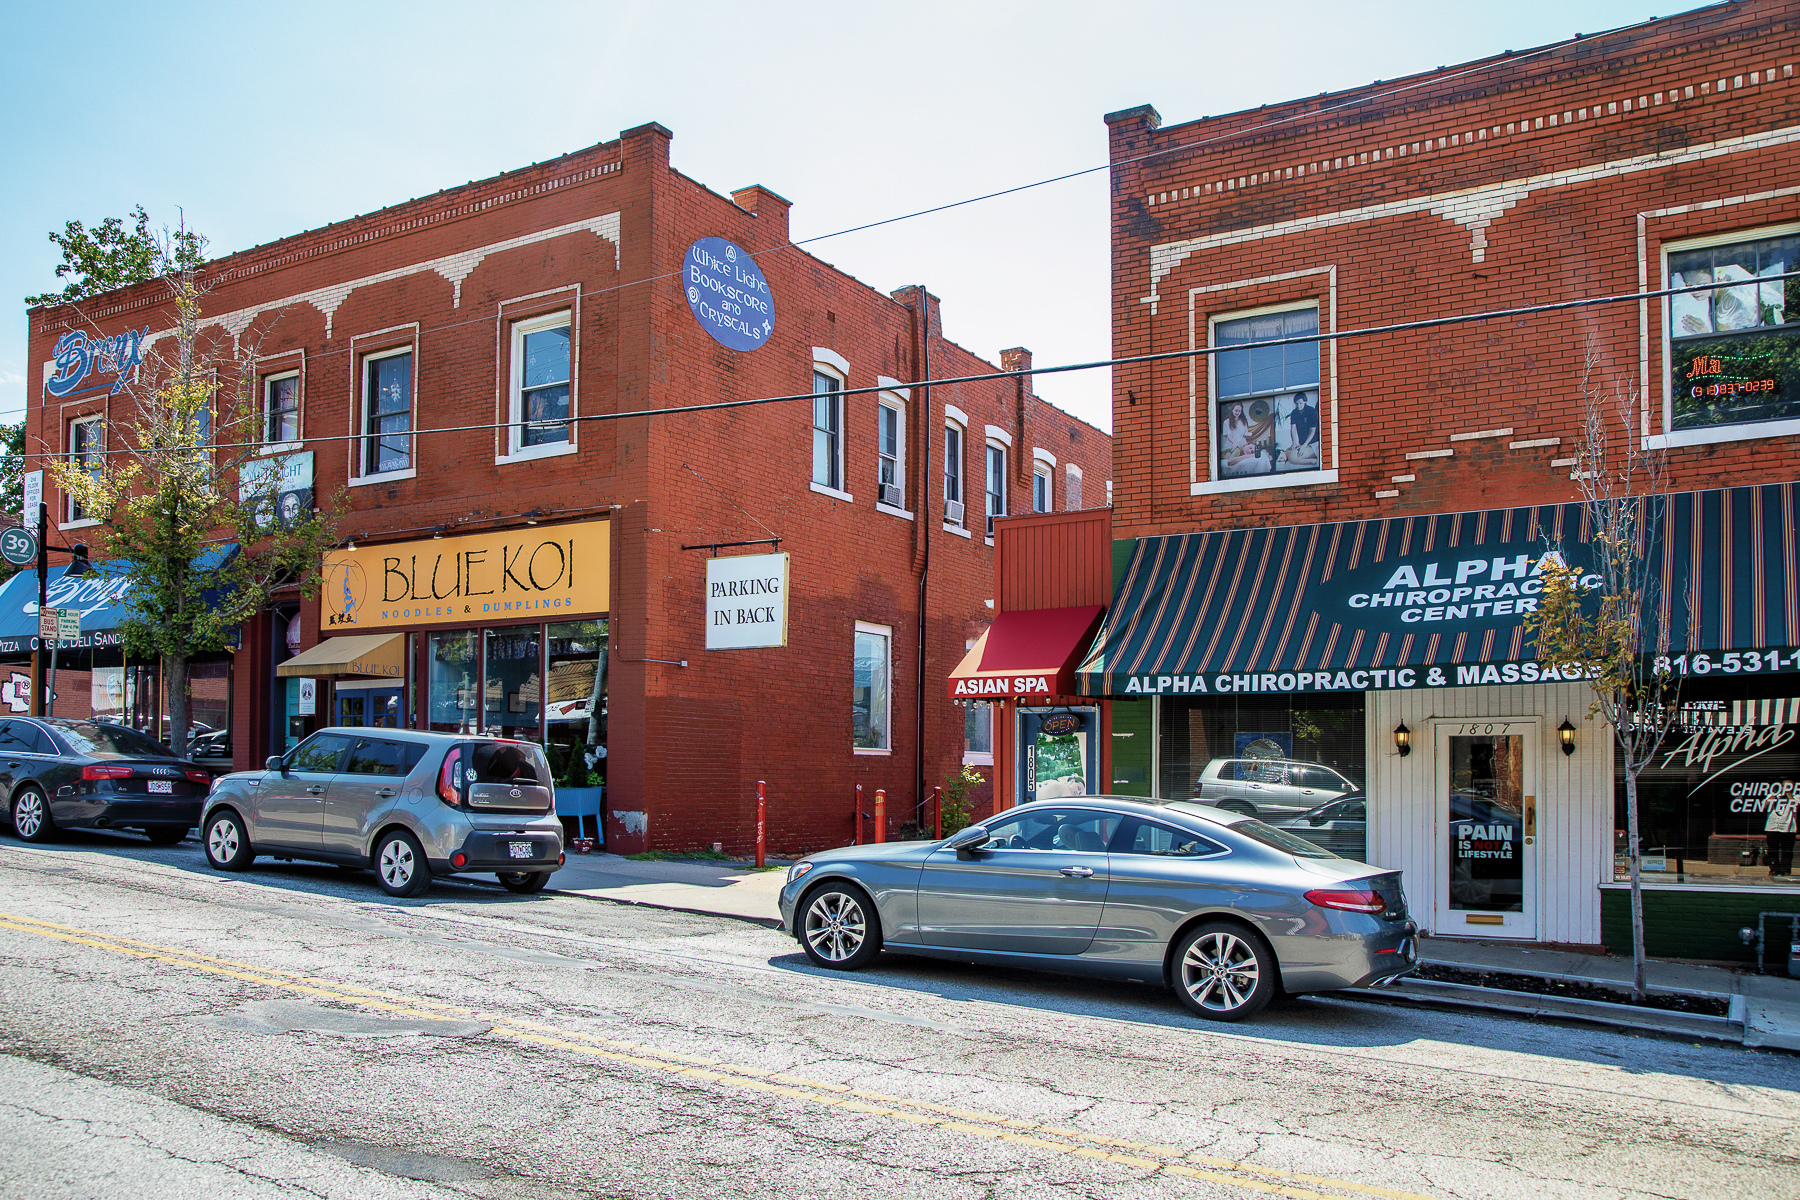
(15, 765)
(1077, 872)
(384, 793)
(315, 790)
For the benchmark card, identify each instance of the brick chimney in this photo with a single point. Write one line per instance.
(770, 211)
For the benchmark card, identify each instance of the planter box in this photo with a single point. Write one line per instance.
(580, 803)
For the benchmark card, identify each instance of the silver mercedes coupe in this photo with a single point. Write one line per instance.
(1228, 911)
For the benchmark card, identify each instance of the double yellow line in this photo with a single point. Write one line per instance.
(1072, 1142)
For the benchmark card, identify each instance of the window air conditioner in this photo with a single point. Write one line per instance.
(892, 496)
(953, 511)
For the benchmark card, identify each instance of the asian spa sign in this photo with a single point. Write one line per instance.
(538, 573)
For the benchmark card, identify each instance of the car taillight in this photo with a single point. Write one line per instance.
(199, 777)
(1348, 901)
(446, 786)
(97, 771)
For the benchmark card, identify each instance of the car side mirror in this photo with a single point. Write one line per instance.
(972, 838)
(276, 764)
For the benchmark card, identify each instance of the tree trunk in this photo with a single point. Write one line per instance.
(175, 686)
(597, 700)
(1637, 881)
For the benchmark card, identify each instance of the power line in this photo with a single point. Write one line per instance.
(989, 376)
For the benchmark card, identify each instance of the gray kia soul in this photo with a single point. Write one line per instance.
(408, 804)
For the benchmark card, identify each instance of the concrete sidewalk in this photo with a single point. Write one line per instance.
(722, 889)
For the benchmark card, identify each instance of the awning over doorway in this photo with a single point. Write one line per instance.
(1438, 600)
(377, 655)
(1029, 653)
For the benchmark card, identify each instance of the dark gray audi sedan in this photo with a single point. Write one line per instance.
(62, 774)
(1223, 908)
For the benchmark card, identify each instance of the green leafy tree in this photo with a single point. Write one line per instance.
(112, 256)
(1592, 620)
(181, 482)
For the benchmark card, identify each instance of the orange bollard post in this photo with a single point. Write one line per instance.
(880, 815)
(762, 807)
(937, 812)
(859, 831)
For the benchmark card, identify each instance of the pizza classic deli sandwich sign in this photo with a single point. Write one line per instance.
(539, 573)
(746, 601)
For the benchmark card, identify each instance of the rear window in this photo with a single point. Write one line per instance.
(1279, 839)
(508, 762)
(108, 741)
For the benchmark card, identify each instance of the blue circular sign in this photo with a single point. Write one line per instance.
(728, 294)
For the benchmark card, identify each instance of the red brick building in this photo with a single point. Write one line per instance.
(480, 372)
(1286, 507)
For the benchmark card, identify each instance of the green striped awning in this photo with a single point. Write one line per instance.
(1438, 600)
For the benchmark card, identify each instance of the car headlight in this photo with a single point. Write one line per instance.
(798, 870)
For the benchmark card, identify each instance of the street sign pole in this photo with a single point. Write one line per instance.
(43, 572)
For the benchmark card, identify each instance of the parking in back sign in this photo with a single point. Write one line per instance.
(728, 294)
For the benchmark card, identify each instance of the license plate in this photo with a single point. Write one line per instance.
(160, 786)
(521, 849)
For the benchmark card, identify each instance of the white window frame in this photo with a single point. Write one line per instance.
(831, 371)
(1075, 483)
(886, 402)
(993, 499)
(1043, 466)
(516, 450)
(411, 470)
(978, 758)
(1670, 436)
(886, 633)
(1207, 420)
(960, 477)
(71, 520)
(270, 444)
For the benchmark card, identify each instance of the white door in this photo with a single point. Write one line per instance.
(1487, 829)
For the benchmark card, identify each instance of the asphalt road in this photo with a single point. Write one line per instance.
(167, 1031)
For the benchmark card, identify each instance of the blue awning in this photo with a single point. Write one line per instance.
(103, 596)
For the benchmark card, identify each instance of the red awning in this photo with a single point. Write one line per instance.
(1030, 653)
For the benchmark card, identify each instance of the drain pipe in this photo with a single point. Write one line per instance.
(925, 522)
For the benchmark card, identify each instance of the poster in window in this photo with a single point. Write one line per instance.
(1266, 435)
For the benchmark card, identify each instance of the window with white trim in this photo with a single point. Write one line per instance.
(871, 688)
(281, 408)
(953, 473)
(1266, 398)
(828, 431)
(387, 413)
(87, 446)
(1072, 487)
(1041, 492)
(1734, 350)
(996, 484)
(890, 451)
(542, 379)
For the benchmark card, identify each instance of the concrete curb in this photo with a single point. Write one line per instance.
(1426, 992)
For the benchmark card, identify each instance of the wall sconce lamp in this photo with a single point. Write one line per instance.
(1402, 739)
(1566, 732)
(437, 531)
(531, 517)
(350, 543)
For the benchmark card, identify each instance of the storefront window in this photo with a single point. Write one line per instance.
(452, 707)
(1132, 735)
(1283, 759)
(209, 710)
(978, 734)
(1717, 803)
(575, 712)
(513, 687)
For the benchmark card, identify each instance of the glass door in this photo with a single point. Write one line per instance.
(1487, 831)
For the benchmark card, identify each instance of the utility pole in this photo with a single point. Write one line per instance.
(38, 705)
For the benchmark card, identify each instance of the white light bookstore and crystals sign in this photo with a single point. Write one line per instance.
(746, 601)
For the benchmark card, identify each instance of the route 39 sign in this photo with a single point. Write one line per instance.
(18, 546)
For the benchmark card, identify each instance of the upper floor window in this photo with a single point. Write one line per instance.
(1266, 397)
(1733, 348)
(1072, 488)
(387, 412)
(87, 446)
(953, 474)
(1040, 488)
(828, 431)
(890, 449)
(281, 408)
(541, 379)
(996, 485)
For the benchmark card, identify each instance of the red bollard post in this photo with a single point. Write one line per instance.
(937, 812)
(762, 807)
(859, 840)
(880, 815)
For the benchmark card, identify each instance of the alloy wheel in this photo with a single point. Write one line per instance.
(397, 864)
(222, 840)
(835, 926)
(28, 815)
(1220, 972)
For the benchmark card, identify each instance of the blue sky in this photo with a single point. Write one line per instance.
(259, 121)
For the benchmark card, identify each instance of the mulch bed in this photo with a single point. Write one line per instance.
(1536, 985)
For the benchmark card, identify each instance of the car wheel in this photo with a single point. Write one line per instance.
(165, 836)
(524, 882)
(839, 929)
(1237, 806)
(31, 816)
(400, 865)
(227, 845)
(1223, 972)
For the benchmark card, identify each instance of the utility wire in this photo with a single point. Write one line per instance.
(988, 376)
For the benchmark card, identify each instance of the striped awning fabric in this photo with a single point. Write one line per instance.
(1439, 600)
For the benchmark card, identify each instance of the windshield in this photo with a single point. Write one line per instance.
(108, 741)
(1279, 839)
